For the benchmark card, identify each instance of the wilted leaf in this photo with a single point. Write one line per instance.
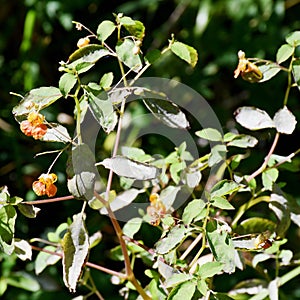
(253, 118)
(75, 246)
(174, 238)
(192, 210)
(126, 167)
(167, 112)
(105, 29)
(284, 53)
(210, 134)
(185, 52)
(285, 121)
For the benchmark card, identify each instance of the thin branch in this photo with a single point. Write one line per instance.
(44, 201)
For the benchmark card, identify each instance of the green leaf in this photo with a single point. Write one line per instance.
(296, 72)
(125, 52)
(24, 281)
(102, 108)
(284, 53)
(75, 246)
(176, 279)
(223, 187)
(175, 237)
(221, 202)
(44, 259)
(132, 227)
(152, 56)
(293, 38)
(218, 154)
(55, 237)
(126, 21)
(243, 141)
(136, 29)
(126, 167)
(185, 52)
(253, 118)
(23, 249)
(106, 80)
(36, 100)
(168, 196)
(167, 112)
(192, 210)
(184, 291)
(210, 269)
(202, 286)
(255, 225)
(285, 121)
(82, 172)
(8, 218)
(56, 133)
(28, 210)
(66, 82)
(210, 134)
(105, 29)
(269, 177)
(221, 246)
(269, 70)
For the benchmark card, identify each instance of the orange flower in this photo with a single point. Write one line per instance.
(45, 186)
(34, 126)
(156, 210)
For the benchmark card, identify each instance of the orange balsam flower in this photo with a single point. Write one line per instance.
(34, 126)
(45, 185)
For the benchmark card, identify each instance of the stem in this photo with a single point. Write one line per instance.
(267, 158)
(78, 109)
(191, 247)
(287, 92)
(44, 201)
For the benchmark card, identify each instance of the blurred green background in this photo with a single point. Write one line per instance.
(37, 34)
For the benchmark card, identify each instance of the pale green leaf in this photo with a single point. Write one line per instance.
(210, 134)
(44, 259)
(223, 187)
(136, 29)
(218, 154)
(285, 121)
(192, 210)
(56, 133)
(23, 249)
(243, 141)
(253, 118)
(185, 52)
(75, 246)
(132, 227)
(24, 281)
(284, 53)
(293, 38)
(176, 279)
(221, 202)
(106, 80)
(269, 70)
(269, 177)
(184, 291)
(105, 29)
(210, 269)
(296, 72)
(66, 82)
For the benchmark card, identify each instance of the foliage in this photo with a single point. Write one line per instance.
(200, 211)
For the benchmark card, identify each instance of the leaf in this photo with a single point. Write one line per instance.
(168, 196)
(23, 249)
(223, 187)
(243, 141)
(185, 52)
(210, 134)
(132, 227)
(122, 200)
(126, 21)
(56, 133)
(284, 53)
(106, 80)
(293, 38)
(285, 121)
(192, 210)
(296, 72)
(36, 100)
(221, 246)
(24, 281)
(269, 70)
(102, 109)
(273, 286)
(217, 154)
(253, 118)
(176, 279)
(136, 29)
(210, 269)
(167, 112)
(221, 202)
(75, 246)
(126, 54)
(126, 167)
(45, 259)
(105, 29)
(184, 291)
(255, 225)
(82, 172)
(28, 210)
(269, 177)
(8, 217)
(66, 82)
(152, 56)
(261, 257)
(175, 237)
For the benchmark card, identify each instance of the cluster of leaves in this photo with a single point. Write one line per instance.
(211, 234)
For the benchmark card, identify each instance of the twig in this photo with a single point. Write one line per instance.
(44, 201)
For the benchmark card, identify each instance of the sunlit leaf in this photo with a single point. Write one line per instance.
(105, 29)
(269, 70)
(284, 53)
(293, 38)
(23, 249)
(273, 288)
(243, 141)
(132, 227)
(210, 134)
(256, 225)
(75, 246)
(218, 154)
(296, 72)
(210, 269)
(221, 202)
(24, 281)
(44, 259)
(223, 187)
(168, 195)
(269, 177)
(253, 118)
(260, 257)
(136, 29)
(106, 80)
(192, 210)
(184, 290)
(126, 167)
(56, 133)
(185, 52)
(285, 121)
(66, 82)
(176, 279)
